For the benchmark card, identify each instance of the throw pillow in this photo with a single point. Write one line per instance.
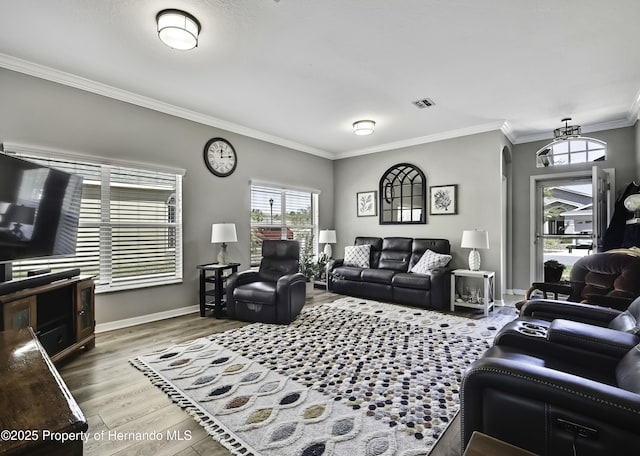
(357, 255)
(430, 260)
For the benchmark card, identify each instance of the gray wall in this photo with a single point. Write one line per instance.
(472, 162)
(621, 155)
(41, 113)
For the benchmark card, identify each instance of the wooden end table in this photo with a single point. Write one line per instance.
(213, 273)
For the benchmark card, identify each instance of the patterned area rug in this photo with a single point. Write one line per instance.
(353, 377)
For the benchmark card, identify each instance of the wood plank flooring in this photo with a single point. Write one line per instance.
(117, 398)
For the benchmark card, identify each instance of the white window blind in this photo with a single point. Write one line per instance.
(278, 213)
(130, 229)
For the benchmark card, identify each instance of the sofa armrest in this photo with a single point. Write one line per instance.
(549, 309)
(441, 287)
(290, 294)
(241, 278)
(492, 380)
(593, 339)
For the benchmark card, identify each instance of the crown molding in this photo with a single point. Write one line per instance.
(422, 140)
(88, 85)
(633, 115)
(507, 130)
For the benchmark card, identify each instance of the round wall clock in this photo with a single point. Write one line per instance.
(220, 157)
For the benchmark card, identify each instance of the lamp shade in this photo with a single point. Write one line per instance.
(178, 29)
(475, 239)
(327, 237)
(223, 232)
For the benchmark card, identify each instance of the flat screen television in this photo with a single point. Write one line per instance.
(39, 210)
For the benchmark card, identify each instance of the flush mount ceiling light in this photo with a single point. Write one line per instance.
(364, 127)
(178, 29)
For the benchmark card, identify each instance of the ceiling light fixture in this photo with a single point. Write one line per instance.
(178, 29)
(567, 131)
(364, 127)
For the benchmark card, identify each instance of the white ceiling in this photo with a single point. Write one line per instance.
(300, 72)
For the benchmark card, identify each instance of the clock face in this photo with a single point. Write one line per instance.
(220, 157)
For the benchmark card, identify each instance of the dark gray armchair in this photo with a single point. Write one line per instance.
(273, 294)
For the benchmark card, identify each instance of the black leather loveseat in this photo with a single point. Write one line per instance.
(388, 277)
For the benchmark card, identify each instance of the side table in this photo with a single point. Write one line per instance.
(216, 277)
(459, 297)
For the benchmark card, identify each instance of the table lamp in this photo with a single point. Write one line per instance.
(474, 239)
(223, 233)
(327, 237)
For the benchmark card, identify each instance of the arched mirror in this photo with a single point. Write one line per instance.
(403, 195)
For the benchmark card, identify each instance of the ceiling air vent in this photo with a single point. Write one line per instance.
(424, 103)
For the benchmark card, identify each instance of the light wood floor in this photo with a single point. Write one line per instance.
(116, 397)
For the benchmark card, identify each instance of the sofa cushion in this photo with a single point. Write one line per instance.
(357, 255)
(348, 273)
(378, 275)
(431, 260)
(396, 252)
(412, 280)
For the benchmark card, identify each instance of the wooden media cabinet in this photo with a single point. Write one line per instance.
(61, 313)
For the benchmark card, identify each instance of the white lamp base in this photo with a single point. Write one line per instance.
(328, 251)
(474, 260)
(223, 258)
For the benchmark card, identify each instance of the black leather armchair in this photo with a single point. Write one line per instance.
(576, 392)
(275, 293)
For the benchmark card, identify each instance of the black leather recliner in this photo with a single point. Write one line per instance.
(275, 293)
(569, 378)
(576, 392)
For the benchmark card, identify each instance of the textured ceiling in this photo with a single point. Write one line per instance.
(300, 72)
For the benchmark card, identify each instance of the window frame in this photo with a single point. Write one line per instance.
(165, 178)
(281, 218)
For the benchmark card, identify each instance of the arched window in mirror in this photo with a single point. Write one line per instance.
(402, 195)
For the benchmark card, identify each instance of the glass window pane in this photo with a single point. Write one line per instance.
(560, 148)
(577, 145)
(595, 155)
(579, 157)
(561, 159)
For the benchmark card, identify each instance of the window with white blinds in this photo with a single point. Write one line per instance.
(130, 229)
(278, 213)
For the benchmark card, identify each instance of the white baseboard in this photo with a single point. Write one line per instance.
(119, 324)
(519, 292)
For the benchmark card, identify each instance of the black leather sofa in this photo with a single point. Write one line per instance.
(388, 277)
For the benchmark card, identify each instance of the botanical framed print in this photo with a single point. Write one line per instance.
(443, 199)
(367, 203)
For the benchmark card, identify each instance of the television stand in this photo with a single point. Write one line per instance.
(61, 314)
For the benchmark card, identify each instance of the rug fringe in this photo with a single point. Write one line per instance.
(210, 425)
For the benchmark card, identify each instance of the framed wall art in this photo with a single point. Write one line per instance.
(367, 203)
(443, 199)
